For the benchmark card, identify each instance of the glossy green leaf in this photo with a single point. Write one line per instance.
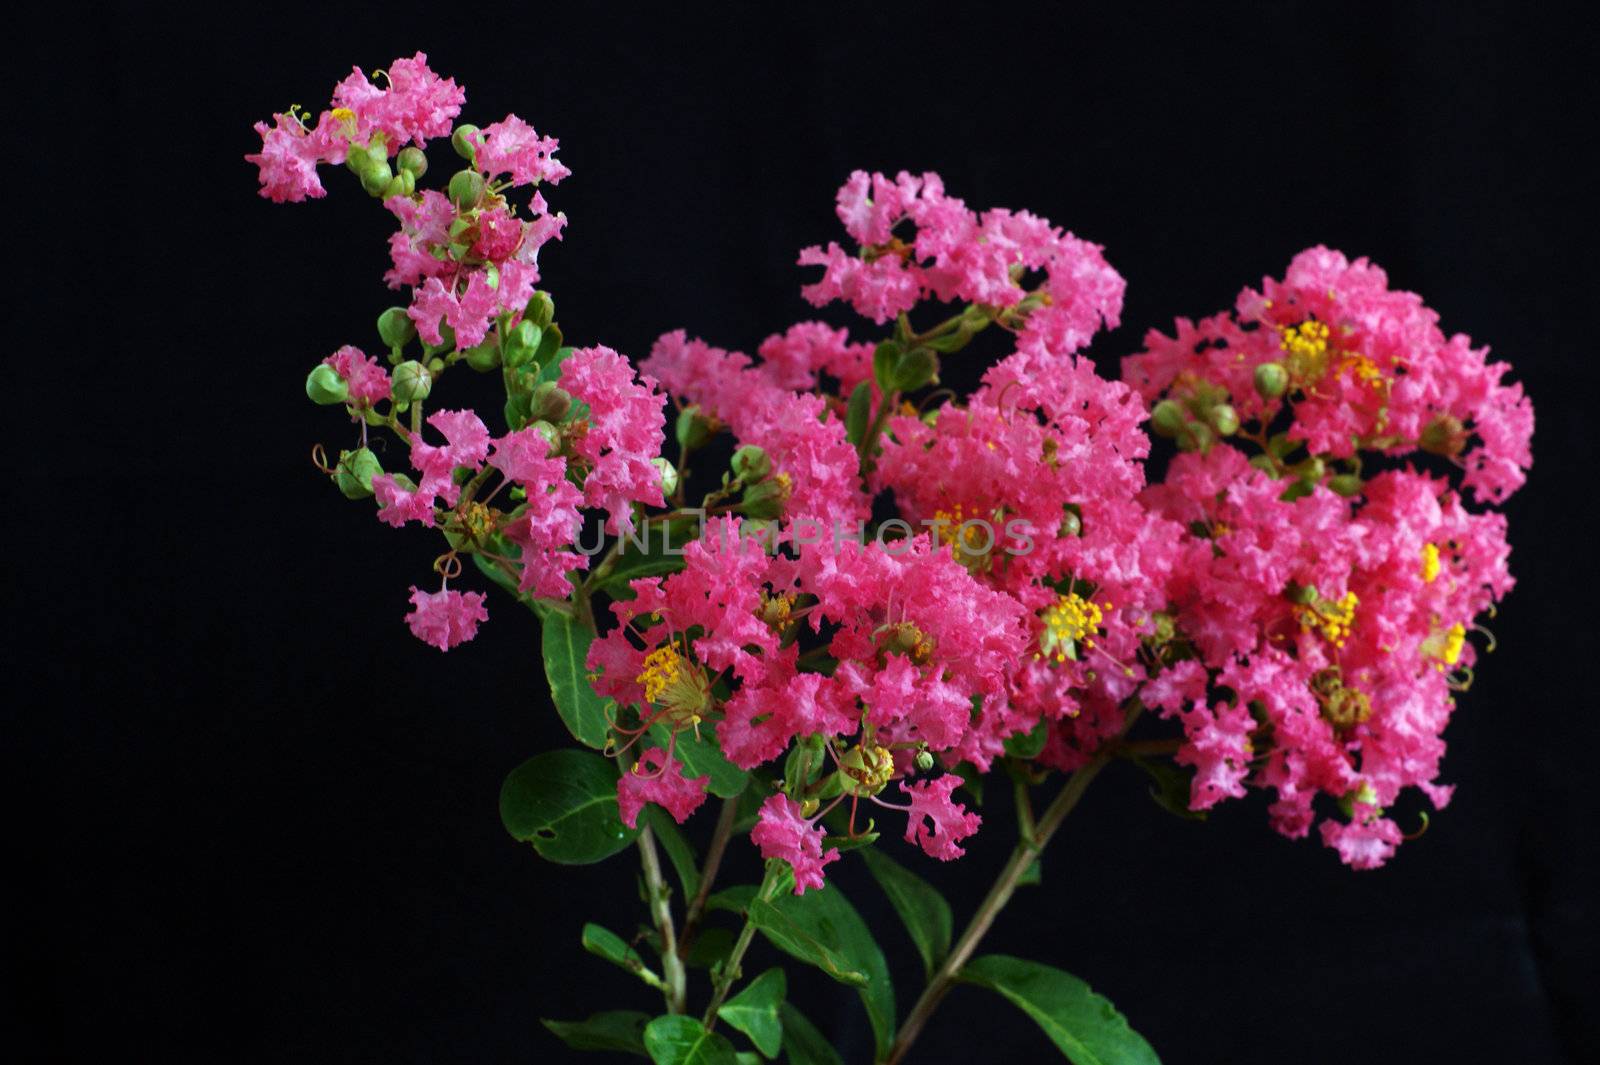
(1170, 786)
(681, 1040)
(823, 929)
(566, 646)
(621, 1030)
(565, 804)
(754, 1011)
(802, 1043)
(923, 910)
(679, 851)
(1027, 745)
(604, 943)
(702, 757)
(1083, 1025)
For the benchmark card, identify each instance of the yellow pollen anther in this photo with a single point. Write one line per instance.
(661, 669)
(1306, 346)
(1330, 618)
(1430, 563)
(1445, 645)
(1069, 621)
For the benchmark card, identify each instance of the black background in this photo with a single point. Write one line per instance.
(255, 819)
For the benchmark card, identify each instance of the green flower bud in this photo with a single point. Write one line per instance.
(375, 178)
(1265, 464)
(1196, 436)
(1445, 435)
(364, 157)
(669, 476)
(693, 429)
(1167, 419)
(484, 357)
(1312, 470)
(325, 386)
(466, 189)
(551, 434)
(541, 309)
(461, 140)
(1345, 484)
(411, 382)
(751, 464)
(766, 498)
(402, 184)
(522, 342)
(924, 761)
(1224, 419)
(412, 161)
(355, 471)
(550, 402)
(1272, 380)
(1071, 523)
(395, 327)
(516, 410)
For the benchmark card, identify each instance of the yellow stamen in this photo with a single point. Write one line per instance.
(661, 669)
(1430, 563)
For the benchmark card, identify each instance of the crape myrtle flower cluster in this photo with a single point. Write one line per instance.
(1293, 604)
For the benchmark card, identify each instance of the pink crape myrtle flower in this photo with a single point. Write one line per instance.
(781, 832)
(625, 433)
(511, 147)
(446, 618)
(367, 381)
(937, 823)
(658, 778)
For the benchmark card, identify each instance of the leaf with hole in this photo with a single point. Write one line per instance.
(565, 804)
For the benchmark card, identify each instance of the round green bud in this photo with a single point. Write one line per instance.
(750, 464)
(693, 429)
(355, 471)
(1071, 523)
(402, 184)
(325, 386)
(395, 327)
(1272, 380)
(411, 382)
(1312, 470)
(669, 476)
(413, 161)
(766, 498)
(551, 434)
(1265, 464)
(550, 402)
(484, 357)
(1445, 435)
(1167, 418)
(1304, 594)
(541, 309)
(1196, 436)
(461, 140)
(466, 189)
(522, 343)
(924, 761)
(375, 178)
(1345, 484)
(1224, 419)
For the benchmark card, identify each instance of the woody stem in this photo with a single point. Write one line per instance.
(708, 875)
(1022, 857)
(729, 971)
(660, 896)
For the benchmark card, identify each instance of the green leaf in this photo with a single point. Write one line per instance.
(680, 1040)
(803, 1044)
(1027, 745)
(823, 929)
(857, 412)
(1170, 787)
(660, 552)
(710, 946)
(922, 909)
(679, 851)
(604, 943)
(735, 899)
(754, 1011)
(491, 570)
(612, 1030)
(566, 646)
(565, 804)
(1083, 1025)
(703, 757)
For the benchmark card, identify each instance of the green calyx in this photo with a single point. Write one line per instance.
(324, 386)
